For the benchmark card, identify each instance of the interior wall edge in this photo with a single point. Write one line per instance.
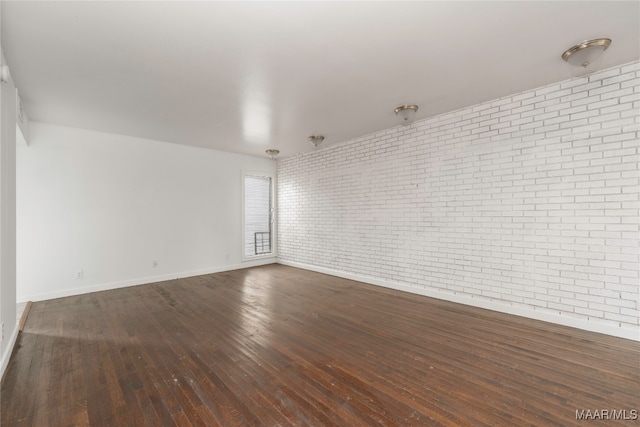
(6, 355)
(629, 333)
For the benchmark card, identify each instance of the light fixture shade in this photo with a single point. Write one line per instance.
(406, 113)
(585, 56)
(272, 152)
(316, 139)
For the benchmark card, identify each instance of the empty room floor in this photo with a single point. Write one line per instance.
(278, 346)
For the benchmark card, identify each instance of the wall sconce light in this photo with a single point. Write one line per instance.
(585, 54)
(406, 113)
(272, 153)
(316, 139)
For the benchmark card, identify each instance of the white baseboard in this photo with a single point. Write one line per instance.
(60, 293)
(518, 310)
(8, 350)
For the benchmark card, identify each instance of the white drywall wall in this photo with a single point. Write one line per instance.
(109, 205)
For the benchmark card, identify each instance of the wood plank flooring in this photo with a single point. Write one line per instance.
(279, 346)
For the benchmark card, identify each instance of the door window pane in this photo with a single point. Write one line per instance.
(258, 216)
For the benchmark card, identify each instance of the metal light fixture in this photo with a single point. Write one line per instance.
(585, 54)
(272, 152)
(316, 139)
(406, 113)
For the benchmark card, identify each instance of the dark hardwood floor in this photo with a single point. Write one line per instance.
(278, 346)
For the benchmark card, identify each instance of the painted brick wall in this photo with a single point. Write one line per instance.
(529, 201)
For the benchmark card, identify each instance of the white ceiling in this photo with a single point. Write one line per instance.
(247, 76)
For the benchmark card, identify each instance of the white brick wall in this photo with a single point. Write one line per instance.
(530, 201)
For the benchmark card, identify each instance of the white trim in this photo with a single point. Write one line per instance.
(140, 281)
(621, 332)
(8, 350)
(273, 230)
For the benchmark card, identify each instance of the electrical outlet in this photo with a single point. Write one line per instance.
(154, 264)
(79, 274)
